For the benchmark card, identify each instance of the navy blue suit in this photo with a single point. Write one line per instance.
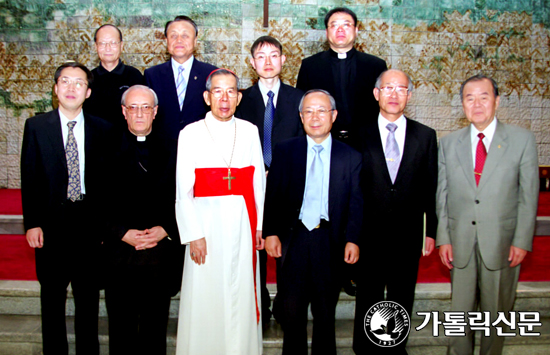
(170, 120)
(311, 260)
(72, 230)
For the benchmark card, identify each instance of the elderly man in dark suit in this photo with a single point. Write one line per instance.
(62, 170)
(312, 223)
(487, 198)
(346, 73)
(399, 181)
(143, 237)
(273, 107)
(180, 82)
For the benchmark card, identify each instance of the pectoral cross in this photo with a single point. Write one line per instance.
(229, 178)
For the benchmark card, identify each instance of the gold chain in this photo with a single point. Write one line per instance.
(232, 151)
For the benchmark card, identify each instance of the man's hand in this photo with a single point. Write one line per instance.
(430, 246)
(197, 248)
(516, 255)
(260, 243)
(151, 238)
(35, 237)
(273, 246)
(446, 255)
(132, 237)
(351, 253)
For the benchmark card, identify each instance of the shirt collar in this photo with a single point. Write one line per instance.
(349, 54)
(265, 90)
(119, 69)
(326, 144)
(489, 131)
(186, 65)
(383, 121)
(78, 119)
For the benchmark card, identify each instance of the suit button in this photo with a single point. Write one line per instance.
(473, 223)
(477, 202)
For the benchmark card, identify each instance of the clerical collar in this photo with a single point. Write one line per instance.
(346, 55)
(119, 69)
(141, 138)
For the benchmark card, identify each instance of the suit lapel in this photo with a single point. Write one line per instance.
(193, 91)
(409, 151)
(498, 147)
(373, 146)
(170, 86)
(259, 109)
(464, 153)
(335, 176)
(301, 166)
(55, 136)
(281, 106)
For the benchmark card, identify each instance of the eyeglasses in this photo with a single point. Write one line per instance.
(263, 57)
(66, 82)
(218, 93)
(388, 90)
(345, 25)
(321, 113)
(105, 44)
(145, 109)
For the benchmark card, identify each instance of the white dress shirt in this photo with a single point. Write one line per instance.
(78, 131)
(489, 133)
(265, 90)
(399, 133)
(186, 72)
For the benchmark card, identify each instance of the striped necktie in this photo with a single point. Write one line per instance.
(181, 85)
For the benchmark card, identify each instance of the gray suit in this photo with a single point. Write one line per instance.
(482, 222)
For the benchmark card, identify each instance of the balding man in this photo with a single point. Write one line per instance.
(111, 78)
(143, 236)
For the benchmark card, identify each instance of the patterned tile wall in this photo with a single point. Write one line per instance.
(439, 42)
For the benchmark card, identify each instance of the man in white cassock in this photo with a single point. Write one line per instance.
(220, 182)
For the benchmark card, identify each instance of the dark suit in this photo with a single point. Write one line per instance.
(358, 103)
(141, 282)
(393, 223)
(286, 124)
(170, 120)
(310, 259)
(72, 230)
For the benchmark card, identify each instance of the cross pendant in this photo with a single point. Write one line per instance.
(229, 178)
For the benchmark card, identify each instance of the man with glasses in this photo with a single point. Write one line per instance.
(143, 236)
(399, 181)
(63, 177)
(220, 183)
(273, 107)
(312, 224)
(111, 78)
(347, 74)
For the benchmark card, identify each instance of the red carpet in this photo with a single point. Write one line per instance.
(17, 258)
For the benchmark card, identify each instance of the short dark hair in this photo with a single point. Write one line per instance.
(479, 77)
(266, 40)
(340, 9)
(107, 25)
(181, 18)
(73, 64)
(216, 72)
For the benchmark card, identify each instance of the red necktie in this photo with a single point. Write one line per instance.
(481, 155)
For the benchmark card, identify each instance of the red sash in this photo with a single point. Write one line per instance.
(215, 182)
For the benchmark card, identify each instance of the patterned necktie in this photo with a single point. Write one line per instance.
(393, 158)
(481, 155)
(180, 85)
(311, 216)
(268, 126)
(73, 165)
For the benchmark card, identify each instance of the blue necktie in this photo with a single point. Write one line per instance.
(268, 126)
(73, 165)
(311, 216)
(393, 158)
(180, 85)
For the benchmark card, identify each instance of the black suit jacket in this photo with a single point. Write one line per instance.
(170, 120)
(285, 191)
(286, 123)
(44, 174)
(393, 215)
(316, 73)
